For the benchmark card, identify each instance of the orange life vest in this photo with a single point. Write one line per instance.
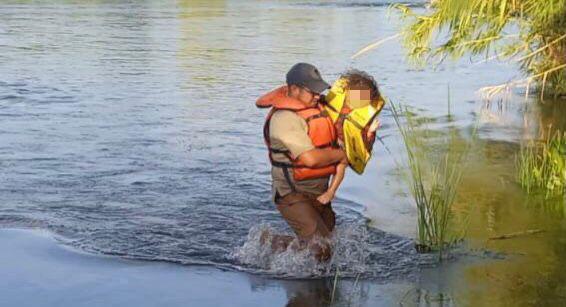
(321, 131)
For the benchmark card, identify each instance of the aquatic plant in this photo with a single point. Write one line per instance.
(542, 165)
(433, 180)
(537, 42)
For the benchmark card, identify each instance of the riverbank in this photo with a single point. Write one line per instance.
(36, 271)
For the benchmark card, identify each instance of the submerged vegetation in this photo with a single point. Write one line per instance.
(433, 179)
(531, 33)
(542, 166)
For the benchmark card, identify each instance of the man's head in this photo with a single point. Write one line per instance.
(361, 89)
(305, 84)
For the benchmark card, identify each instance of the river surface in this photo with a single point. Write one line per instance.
(129, 129)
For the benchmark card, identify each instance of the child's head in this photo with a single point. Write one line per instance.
(361, 89)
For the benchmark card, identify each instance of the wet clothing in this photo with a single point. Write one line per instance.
(320, 131)
(292, 129)
(306, 215)
(352, 119)
(288, 131)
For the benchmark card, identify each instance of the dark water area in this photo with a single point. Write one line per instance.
(129, 129)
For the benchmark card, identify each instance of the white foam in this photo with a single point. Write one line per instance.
(349, 254)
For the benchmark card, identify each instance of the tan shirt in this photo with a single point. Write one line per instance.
(289, 131)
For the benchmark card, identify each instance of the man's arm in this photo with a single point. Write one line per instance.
(316, 158)
(290, 130)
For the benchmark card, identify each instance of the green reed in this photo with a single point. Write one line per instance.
(433, 180)
(542, 165)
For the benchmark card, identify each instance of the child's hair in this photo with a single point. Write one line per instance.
(361, 80)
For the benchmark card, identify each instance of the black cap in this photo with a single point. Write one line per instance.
(307, 75)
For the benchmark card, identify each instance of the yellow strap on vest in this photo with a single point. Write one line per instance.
(335, 99)
(353, 125)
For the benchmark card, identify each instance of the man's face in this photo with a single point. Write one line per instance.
(304, 95)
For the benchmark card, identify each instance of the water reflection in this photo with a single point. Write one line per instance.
(493, 204)
(542, 118)
(532, 269)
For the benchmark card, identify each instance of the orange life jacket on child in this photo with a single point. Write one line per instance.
(321, 131)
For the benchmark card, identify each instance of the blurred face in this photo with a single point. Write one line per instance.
(304, 95)
(356, 98)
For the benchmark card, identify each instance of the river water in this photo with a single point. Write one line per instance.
(129, 129)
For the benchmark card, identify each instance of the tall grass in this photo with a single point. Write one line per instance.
(530, 33)
(542, 166)
(433, 180)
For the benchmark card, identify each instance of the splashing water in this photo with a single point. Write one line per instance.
(350, 253)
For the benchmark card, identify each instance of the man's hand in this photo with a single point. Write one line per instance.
(326, 197)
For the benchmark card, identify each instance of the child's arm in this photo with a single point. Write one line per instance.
(369, 134)
(327, 196)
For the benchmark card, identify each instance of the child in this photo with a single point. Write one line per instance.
(360, 90)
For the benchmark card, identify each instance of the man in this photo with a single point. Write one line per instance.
(302, 148)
